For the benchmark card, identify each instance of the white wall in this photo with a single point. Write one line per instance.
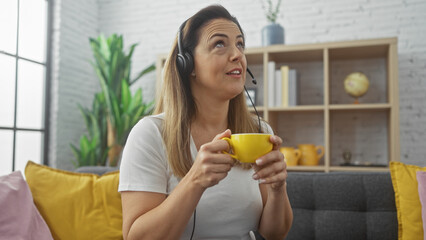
(153, 24)
(73, 80)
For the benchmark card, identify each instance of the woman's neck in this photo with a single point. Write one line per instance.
(210, 120)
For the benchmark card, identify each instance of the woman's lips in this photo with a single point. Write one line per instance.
(235, 73)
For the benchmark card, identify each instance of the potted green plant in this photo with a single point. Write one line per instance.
(273, 33)
(115, 110)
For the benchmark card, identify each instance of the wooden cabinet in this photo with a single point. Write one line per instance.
(325, 114)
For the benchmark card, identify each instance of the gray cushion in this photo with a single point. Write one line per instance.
(342, 206)
(99, 170)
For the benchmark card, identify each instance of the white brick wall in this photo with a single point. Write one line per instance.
(73, 80)
(153, 24)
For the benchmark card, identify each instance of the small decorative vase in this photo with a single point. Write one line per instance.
(272, 34)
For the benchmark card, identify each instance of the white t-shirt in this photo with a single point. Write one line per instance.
(228, 210)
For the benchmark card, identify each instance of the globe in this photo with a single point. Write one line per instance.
(356, 85)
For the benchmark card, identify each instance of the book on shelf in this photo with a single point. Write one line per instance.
(271, 84)
(284, 81)
(278, 88)
(292, 88)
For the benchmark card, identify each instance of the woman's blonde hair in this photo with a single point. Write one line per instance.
(176, 101)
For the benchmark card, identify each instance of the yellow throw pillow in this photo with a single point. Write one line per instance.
(408, 207)
(76, 205)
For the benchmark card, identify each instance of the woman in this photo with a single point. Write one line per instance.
(175, 180)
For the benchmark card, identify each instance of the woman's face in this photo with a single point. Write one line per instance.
(219, 61)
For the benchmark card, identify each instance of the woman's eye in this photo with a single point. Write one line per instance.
(241, 45)
(220, 44)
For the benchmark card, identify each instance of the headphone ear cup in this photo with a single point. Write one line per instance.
(189, 63)
(181, 64)
(185, 64)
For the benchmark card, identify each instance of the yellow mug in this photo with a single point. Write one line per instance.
(247, 147)
(311, 154)
(291, 155)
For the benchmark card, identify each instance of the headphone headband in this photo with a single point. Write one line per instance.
(180, 37)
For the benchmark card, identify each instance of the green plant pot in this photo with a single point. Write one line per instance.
(272, 34)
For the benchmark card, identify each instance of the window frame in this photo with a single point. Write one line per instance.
(45, 130)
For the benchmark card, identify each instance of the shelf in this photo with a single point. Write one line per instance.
(375, 69)
(297, 55)
(297, 108)
(371, 106)
(359, 169)
(299, 127)
(254, 58)
(361, 52)
(365, 134)
(258, 108)
(306, 168)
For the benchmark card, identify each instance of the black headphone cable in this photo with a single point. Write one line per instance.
(193, 226)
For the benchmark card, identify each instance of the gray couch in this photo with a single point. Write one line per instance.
(335, 206)
(345, 206)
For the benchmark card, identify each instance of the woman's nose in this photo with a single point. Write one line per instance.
(236, 54)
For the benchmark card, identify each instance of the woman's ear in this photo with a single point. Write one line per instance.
(193, 74)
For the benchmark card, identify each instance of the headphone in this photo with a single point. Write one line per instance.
(184, 60)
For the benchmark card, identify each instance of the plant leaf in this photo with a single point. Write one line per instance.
(126, 96)
(77, 155)
(136, 100)
(147, 70)
(115, 111)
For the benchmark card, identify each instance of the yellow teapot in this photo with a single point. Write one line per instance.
(311, 154)
(291, 155)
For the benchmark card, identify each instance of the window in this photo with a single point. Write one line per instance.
(23, 84)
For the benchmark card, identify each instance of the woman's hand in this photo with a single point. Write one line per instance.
(211, 164)
(271, 167)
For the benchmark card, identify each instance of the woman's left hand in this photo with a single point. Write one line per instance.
(271, 167)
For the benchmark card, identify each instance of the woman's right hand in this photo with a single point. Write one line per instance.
(211, 164)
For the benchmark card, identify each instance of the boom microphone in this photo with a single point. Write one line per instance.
(252, 77)
(253, 80)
